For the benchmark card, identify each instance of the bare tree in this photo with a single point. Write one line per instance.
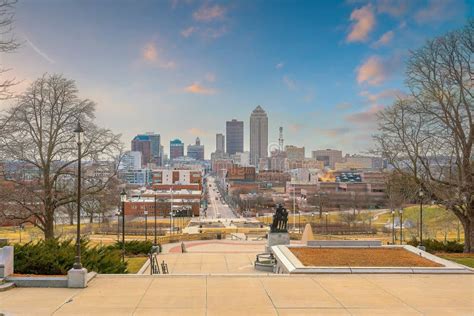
(429, 135)
(36, 136)
(8, 43)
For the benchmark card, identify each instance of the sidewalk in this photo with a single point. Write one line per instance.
(251, 295)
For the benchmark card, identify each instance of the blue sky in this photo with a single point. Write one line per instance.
(181, 68)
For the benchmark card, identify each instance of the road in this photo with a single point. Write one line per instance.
(216, 208)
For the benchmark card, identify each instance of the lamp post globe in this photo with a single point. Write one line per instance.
(79, 139)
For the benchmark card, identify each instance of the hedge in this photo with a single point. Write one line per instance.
(433, 245)
(56, 257)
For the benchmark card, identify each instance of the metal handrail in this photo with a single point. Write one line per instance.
(154, 266)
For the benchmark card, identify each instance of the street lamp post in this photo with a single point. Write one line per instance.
(118, 225)
(79, 137)
(299, 221)
(154, 242)
(401, 225)
(146, 224)
(393, 227)
(326, 214)
(421, 194)
(123, 198)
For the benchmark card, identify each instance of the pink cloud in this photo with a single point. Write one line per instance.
(394, 8)
(365, 117)
(209, 13)
(188, 32)
(151, 56)
(197, 88)
(363, 23)
(440, 10)
(374, 71)
(384, 39)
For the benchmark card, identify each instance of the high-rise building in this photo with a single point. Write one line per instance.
(196, 151)
(294, 152)
(220, 143)
(176, 149)
(234, 136)
(149, 145)
(142, 144)
(258, 135)
(328, 156)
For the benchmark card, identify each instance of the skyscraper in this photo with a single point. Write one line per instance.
(196, 151)
(220, 143)
(149, 145)
(258, 135)
(234, 136)
(176, 149)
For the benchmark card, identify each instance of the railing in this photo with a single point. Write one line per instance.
(154, 267)
(265, 258)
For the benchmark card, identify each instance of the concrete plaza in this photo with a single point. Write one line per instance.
(251, 295)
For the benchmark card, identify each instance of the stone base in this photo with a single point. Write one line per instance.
(77, 278)
(275, 239)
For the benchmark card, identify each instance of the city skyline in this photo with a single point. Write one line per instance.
(165, 66)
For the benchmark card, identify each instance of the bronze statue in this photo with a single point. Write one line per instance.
(280, 220)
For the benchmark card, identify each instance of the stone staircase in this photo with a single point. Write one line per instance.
(5, 285)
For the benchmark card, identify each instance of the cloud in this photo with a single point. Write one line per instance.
(343, 106)
(280, 65)
(188, 32)
(213, 32)
(384, 39)
(198, 132)
(290, 84)
(385, 95)
(440, 10)
(39, 51)
(334, 132)
(295, 128)
(150, 53)
(197, 88)
(376, 70)
(365, 117)
(363, 23)
(151, 56)
(395, 8)
(209, 13)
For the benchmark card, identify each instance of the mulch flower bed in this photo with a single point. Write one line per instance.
(361, 257)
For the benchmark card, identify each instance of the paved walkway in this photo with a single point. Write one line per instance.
(246, 295)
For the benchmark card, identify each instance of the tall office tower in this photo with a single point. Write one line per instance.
(142, 144)
(258, 135)
(155, 147)
(176, 149)
(234, 136)
(220, 143)
(149, 145)
(328, 156)
(196, 151)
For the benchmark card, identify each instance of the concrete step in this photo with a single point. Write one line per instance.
(6, 286)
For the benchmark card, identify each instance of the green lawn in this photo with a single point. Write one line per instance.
(465, 259)
(135, 263)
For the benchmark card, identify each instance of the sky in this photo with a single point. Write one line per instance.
(182, 68)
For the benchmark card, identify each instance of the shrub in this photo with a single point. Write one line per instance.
(135, 247)
(433, 245)
(53, 257)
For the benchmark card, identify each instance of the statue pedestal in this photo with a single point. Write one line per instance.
(275, 239)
